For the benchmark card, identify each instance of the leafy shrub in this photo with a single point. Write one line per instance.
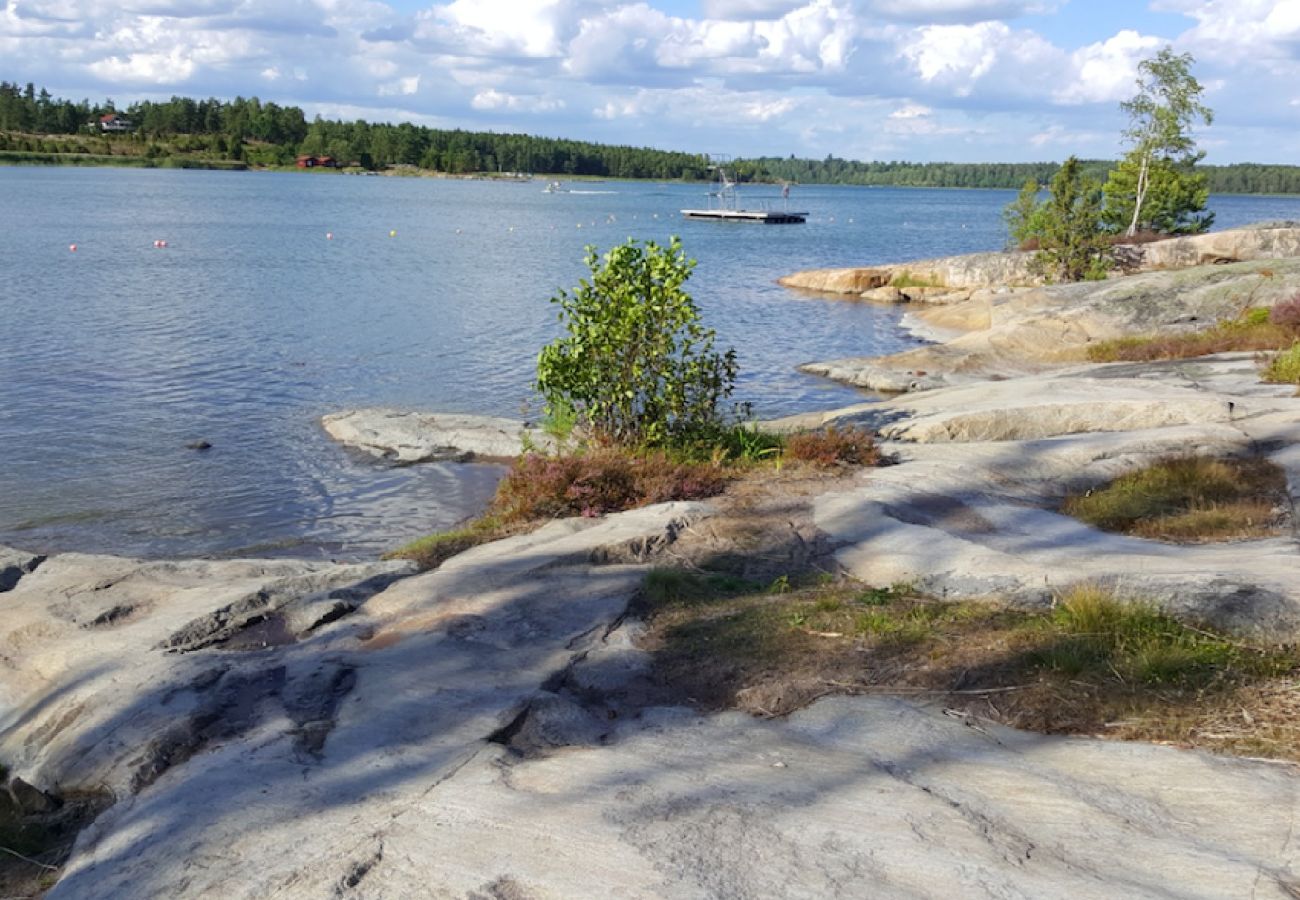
(636, 368)
(600, 481)
(834, 446)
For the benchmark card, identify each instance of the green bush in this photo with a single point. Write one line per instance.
(636, 368)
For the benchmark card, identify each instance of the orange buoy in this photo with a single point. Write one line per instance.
(329, 235)
(72, 247)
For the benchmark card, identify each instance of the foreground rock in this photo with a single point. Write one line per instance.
(410, 437)
(451, 736)
(1023, 332)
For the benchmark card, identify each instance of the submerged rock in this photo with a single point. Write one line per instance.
(410, 437)
(14, 564)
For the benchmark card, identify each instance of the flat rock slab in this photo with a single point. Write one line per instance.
(372, 686)
(109, 665)
(411, 437)
(848, 798)
(1039, 407)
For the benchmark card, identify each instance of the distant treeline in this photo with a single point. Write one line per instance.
(1240, 178)
(37, 127)
(251, 131)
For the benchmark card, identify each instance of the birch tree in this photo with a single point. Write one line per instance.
(1154, 185)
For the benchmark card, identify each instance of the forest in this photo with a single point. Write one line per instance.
(38, 128)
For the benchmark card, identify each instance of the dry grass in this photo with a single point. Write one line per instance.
(1246, 335)
(1189, 499)
(834, 446)
(1093, 665)
(602, 480)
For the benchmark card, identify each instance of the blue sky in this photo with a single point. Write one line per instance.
(964, 80)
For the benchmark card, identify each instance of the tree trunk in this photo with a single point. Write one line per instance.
(1140, 195)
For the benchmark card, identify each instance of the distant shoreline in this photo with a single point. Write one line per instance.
(16, 158)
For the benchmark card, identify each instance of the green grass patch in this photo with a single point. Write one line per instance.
(1092, 634)
(1188, 499)
(431, 551)
(1285, 367)
(666, 588)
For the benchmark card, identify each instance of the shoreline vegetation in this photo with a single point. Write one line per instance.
(38, 129)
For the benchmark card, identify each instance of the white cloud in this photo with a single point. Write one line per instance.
(400, 87)
(1107, 71)
(525, 28)
(145, 68)
(911, 111)
(492, 99)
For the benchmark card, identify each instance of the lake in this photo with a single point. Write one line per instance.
(431, 294)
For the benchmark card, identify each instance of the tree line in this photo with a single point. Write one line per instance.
(249, 130)
(265, 133)
(1237, 178)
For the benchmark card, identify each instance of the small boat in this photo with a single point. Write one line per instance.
(724, 205)
(555, 187)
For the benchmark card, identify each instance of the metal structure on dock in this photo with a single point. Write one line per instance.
(724, 204)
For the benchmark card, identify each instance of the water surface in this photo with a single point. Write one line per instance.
(431, 295)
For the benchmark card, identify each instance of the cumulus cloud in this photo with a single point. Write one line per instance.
(810, 76)
(1107, 71)
(989, 56)
(492, 99)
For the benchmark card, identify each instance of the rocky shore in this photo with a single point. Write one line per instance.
(492, 729)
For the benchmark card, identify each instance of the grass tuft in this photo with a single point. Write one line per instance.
(431, 551)
(1188, 499)
(1285, 367)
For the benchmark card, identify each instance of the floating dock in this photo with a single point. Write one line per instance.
(724, 206)
(767, 216)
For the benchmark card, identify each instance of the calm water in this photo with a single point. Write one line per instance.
(250, 324)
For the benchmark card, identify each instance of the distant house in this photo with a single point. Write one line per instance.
(312, 162)
(114, 122)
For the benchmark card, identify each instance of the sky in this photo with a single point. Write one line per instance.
(921, 80)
